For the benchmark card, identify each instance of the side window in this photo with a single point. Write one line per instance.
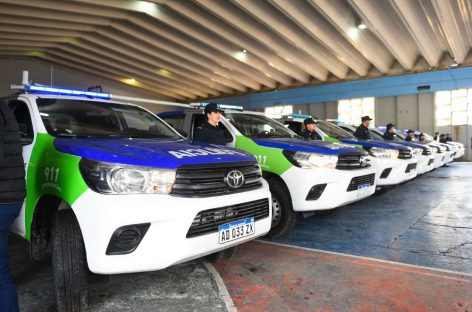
(176, 122)
(198, 120)
(228, 136)
(23, 118)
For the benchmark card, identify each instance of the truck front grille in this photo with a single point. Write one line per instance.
(208, 221)
(211, 179)
(405, 154)
(362, 180)
(351, 161)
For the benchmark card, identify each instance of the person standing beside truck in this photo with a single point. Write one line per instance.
(309, 132)
(210, 132)
(12, 194)
(409, 135)
(363, 132)
(422, 138)
(389, 132)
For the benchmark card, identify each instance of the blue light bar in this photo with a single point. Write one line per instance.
(70, 92)
(300, 115)
(225, 106)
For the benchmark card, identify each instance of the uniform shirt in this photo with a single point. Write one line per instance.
(210, 134)
(362, 133)
(311, 135)
(389, 136)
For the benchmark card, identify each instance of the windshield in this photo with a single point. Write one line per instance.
(376, 135)
(333, 130)
(77, 118)
(258, 126)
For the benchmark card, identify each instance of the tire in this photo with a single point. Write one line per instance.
(222, 255)
(283, 216)
(69, 263)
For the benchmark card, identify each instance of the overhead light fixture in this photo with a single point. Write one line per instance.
(361, 25)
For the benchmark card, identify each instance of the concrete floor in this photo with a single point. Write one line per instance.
(425, 222)
(280, 279)
(187, 287)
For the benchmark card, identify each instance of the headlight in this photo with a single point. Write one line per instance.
(417, 151)
(384, 152)
(109, 178)
(309, 160)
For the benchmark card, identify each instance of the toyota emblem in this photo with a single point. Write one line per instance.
(364, 161)
(235, 179)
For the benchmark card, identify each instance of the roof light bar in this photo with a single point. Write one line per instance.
(222, 106)
(300, 115)
(72, 92)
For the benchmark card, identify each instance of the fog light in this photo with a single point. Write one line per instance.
(126, 239)
(316, 191)
(385, 173)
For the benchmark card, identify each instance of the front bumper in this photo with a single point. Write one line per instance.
(425, 163)
(165, 242)
(299, 182)
(439, 159)
(398, 172)
(449, 157)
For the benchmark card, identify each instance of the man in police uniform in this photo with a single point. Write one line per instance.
(211, 132)
(409, 135)
(389, 134)
(310, 130)
(362, 132)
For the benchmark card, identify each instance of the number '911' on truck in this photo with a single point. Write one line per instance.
(107, 191)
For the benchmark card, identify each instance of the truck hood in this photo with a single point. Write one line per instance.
(371, 143)
(299, 145)
(160, 153)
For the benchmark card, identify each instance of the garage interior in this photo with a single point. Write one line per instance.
(406, 62)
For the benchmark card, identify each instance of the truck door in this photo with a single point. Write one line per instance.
(22, 114)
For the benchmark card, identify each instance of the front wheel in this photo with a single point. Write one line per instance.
(283, 216)
(69, 263)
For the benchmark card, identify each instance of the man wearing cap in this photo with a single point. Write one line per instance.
(211, 132)
(422, 138)
(389, 132)
(362, 132)
(310, 130)
(409, 135)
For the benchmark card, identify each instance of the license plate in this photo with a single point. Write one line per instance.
(235, 230)
(363, 190)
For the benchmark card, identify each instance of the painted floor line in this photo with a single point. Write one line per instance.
(371, 259)
(224, 294)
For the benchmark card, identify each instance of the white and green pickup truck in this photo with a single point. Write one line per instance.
(109, 191)
(304, 176)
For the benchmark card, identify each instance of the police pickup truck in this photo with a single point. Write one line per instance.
(108, 190)
(403, 163)
(394, 164)
(423, 153)
(304, 176)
